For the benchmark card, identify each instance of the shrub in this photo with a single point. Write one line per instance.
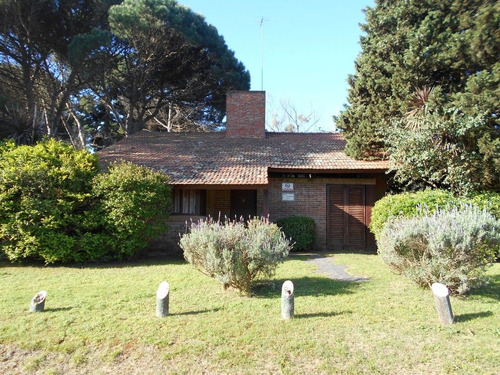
(300, 230)
(489, 200)
(407, 205)
(448, 246)
(57, 208)
(233, 252)
(134, 202)
(44, 190)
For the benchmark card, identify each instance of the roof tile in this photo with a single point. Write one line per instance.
(213, 159)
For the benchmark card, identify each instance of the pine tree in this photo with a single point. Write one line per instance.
(452, 45)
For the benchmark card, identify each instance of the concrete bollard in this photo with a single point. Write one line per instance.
(38, 302)
(443, 305)
(162, 299)
(287, 300)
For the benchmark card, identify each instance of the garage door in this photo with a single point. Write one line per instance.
(349, 211)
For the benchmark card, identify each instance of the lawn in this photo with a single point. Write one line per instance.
(101, 319)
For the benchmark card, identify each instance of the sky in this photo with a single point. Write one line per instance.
(307, 48)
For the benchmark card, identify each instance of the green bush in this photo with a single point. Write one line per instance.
(235, 253)
(407, 205)
(489, 200)
(451, 246)
(300, 230)
(134, 203)
(56, 207)
(44, 191)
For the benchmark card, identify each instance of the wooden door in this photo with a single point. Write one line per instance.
(243, 204)
(349, 210)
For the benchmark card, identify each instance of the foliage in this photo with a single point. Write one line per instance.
(451, 247)
(44, 191)
(448, 51)
(134, 203)
(300, 231)
(37, 77)
(407, 205)
(235, 252)
(489, 201)
(442, 150)
(57, 208)
(106, 68)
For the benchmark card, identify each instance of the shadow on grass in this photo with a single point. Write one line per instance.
(198, 312)
(468, 317)
(136, 261)
(491, 290)
(56, 309)
(321, 315)
(304, 286)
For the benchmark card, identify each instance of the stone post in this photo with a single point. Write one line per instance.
(287, 300)
(443, 305)
(162, 297)
(38, 302)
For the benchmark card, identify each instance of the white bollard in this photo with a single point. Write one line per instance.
(162, 297)
(287, 300)
(443, 305)
(38, 302)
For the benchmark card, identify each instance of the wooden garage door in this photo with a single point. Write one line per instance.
(349, 210)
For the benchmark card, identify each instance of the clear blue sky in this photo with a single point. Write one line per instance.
(309, 47)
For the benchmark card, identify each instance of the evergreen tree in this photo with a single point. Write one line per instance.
(101, 69)
(408, 46)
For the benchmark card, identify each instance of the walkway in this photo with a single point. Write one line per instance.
(335, 271)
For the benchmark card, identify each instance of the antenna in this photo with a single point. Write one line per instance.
(262, 53)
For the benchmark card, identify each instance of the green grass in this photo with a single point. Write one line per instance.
(102, 319)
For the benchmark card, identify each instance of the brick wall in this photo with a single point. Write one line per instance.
(311, 200)
(218, 201)
(246, 114)
(168, 242)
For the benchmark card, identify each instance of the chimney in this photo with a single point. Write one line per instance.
(246, 114)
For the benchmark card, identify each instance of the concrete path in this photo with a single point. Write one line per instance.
(335, 271)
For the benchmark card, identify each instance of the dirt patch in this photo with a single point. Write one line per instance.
(14, 360)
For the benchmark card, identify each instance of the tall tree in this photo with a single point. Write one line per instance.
(452, 45)
(34, 45)
(108, 68)
(162, 56)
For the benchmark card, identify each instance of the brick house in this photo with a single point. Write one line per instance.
(248, 171)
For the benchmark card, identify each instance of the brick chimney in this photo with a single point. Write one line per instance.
(246, 114)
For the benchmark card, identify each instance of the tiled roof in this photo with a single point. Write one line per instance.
(213, 159)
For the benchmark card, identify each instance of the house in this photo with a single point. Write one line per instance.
(247, 171)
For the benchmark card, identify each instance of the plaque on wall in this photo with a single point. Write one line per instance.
(287, 186)
(289, 197)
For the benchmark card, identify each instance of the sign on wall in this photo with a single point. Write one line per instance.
(287, 193)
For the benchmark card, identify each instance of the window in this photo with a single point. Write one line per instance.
(188, 202)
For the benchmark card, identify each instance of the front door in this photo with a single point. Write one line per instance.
(349, 210)
(243, 204)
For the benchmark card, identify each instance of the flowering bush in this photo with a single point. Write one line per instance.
(235, 252)
(451, 247)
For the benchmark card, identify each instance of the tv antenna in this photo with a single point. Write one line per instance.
(262, 19)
